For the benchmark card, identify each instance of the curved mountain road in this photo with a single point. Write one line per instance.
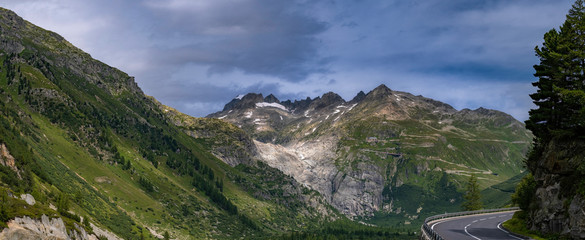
(474, 227)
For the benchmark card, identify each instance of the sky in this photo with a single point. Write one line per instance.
(197, 55)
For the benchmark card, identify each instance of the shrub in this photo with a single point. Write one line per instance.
(525, 191)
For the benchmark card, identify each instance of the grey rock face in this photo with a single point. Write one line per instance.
(29, 199)
(356, 193)
(248, 101)
(271, 99)
(360, 191)
(557, 209)
(26, 228)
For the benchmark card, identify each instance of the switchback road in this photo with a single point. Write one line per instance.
(474, 227)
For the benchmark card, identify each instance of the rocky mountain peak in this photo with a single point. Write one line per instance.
(298, 105)
(271, 99)
(382, 88)
(328, 99)
(359, 97)
(379, 92)
(247, 101)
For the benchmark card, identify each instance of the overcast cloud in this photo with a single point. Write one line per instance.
(197, 55)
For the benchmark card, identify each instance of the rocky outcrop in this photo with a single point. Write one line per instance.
(327, 100)
(297, 105)
(8, 160)
(230, 143)
(102, 233)
(271, 99)
(247, 101)
(358, 98)
(29, 199)
(358, 192)
(559, 201)
(312, 163)
(26, 228)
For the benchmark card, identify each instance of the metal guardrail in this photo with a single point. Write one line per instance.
(429, 234)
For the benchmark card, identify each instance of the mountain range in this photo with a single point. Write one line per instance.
(85, 154)
(385, 154)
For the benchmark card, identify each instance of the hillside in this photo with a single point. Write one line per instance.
(385, 157)
(100, 158)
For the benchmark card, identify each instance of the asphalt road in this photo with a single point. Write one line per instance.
(474, 227)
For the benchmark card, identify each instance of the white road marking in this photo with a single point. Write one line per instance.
(500, 227)
(433, 226)
(483, 219)
(470, 233)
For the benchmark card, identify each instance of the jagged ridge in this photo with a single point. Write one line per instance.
(379, 150)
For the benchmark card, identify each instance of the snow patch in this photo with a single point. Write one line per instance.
(248, 114)
(280, 117)
(222, 117)
(239, 97)
(350, 108)
(275, 105)
(337, 118)
(259, 121)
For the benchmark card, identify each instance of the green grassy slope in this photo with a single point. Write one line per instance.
(427, 165)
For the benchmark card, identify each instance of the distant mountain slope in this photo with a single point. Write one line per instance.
(82, 140)
(385, 154)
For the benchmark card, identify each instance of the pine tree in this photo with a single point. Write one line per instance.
(472, 197)
(545, 98)
(561, 84)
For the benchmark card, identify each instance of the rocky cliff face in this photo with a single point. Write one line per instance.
(360, 154)
(560, 193)
(26, 228)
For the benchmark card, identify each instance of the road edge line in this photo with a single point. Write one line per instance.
(513, 234)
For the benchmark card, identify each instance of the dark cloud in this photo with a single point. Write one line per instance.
(197, 55)
(273, 38)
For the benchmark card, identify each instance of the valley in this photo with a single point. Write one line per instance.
(101, 159)
(369, 156)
